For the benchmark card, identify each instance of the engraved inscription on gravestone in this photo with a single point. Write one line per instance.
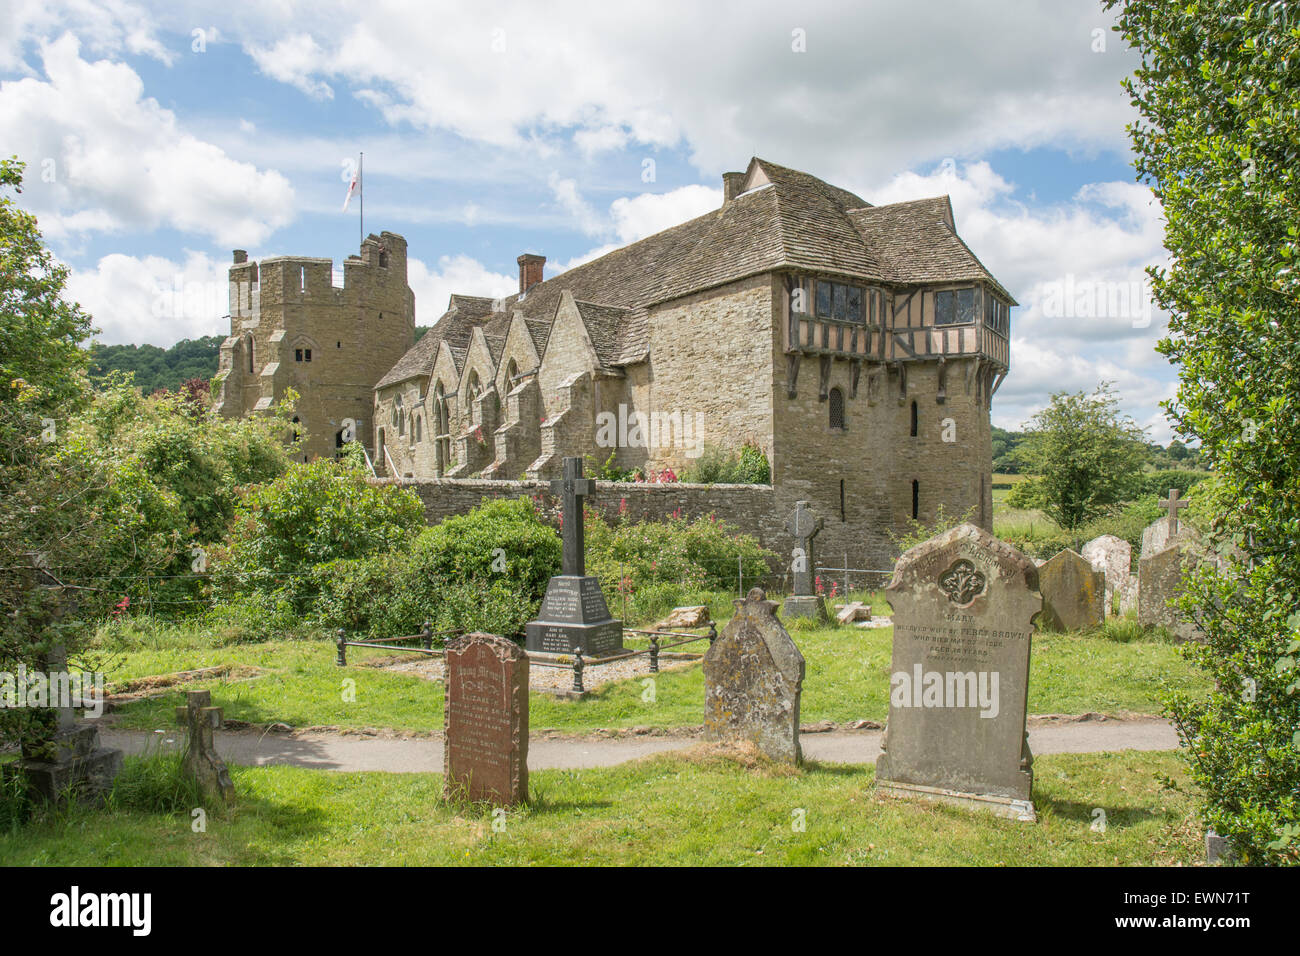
(963, 606)
(574, 613)
(485, 745)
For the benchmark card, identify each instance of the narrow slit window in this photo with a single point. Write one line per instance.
(914, 420)
(916, 499)
(836, 403)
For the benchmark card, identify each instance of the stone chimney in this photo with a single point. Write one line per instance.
(241, 255)
(530, 271)
(732, 183)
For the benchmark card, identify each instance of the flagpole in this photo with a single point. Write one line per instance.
(361, 189)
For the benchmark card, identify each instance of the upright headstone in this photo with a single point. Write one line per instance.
(574, 613)
(485, 719)
(753, 679)
(963, 604)
(1112, 556)
(804, 601)
(61, 756)
(201, 759)
(1074, 592)
(1128, 596)
(1160, 582)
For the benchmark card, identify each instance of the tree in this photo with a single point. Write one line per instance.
(1218, 141)
(1085, 453)
(50, 522)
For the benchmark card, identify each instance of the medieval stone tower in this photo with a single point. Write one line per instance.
(292, 327)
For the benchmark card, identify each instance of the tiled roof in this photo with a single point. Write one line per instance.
(604, 324)
(785, 219)
(916, 245)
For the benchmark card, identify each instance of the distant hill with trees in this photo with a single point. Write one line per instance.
(156, 367)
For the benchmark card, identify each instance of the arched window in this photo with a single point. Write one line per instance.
(836, 403)
(512, 370)
(914, 420)
(419, 428)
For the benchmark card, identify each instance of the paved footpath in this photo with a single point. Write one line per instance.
(348, 752)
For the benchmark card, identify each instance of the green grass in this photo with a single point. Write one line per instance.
(665, 810)
(847, 679)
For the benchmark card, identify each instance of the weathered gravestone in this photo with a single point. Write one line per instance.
(1128, 595)
(1112, 556)
(804, 601)
(574, 613)
(61, 757)
(753, 679)
(963, 604)
(1160, 582)
(201, 759)
(485, 739)
(1074, 593)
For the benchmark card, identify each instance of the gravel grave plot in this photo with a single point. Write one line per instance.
(552, 678)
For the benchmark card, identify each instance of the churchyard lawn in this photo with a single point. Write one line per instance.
(296, 682)
(667, 809)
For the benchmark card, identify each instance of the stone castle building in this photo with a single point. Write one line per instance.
(291, 327)
(859, 346)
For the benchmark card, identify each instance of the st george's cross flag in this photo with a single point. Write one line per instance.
(353, 185)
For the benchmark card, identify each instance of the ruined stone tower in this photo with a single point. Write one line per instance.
(292, 327)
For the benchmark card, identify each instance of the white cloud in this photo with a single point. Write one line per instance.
(454, 274)
(292, 60)
(644, 215)
(153, 300)
(108, 27)
(722, 78)
(103, 157)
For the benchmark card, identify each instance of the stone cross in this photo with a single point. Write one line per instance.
(1172, 505)
(572, 488)
(803, 527)
(201, 757)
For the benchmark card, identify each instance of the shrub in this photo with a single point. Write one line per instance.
(1156, 484)
(312, 514)
(747, 465)
(483, 571)
(656, 563)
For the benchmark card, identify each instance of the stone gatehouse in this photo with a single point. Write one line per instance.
(859, 346)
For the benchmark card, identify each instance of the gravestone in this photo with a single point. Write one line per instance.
(1074, 592)
(804, 601)
(963, 604)
(574, 613)
(61, 757)
(1160, 578)
(1156, 537)
(201, 759)
(1112, 556)
(1128, 596)
(485, 720)
(753, 679)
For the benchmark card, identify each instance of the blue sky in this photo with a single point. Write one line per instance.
(159, 137)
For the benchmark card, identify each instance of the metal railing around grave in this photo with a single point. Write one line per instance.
(576, 663)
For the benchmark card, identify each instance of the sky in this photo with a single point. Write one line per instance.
(159, 137)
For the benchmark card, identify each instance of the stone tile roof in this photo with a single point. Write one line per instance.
(604, 326)
(785, 219)
(915, 243)
(454, 326)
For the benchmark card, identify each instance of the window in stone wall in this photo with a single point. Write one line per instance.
(836, 403)
(419, 429)
(915, 421)
(916, 499)
(297, 355)
(249, 341)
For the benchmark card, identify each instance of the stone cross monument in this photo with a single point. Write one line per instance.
(574, 613)
(803, 526)
(1173, 505)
